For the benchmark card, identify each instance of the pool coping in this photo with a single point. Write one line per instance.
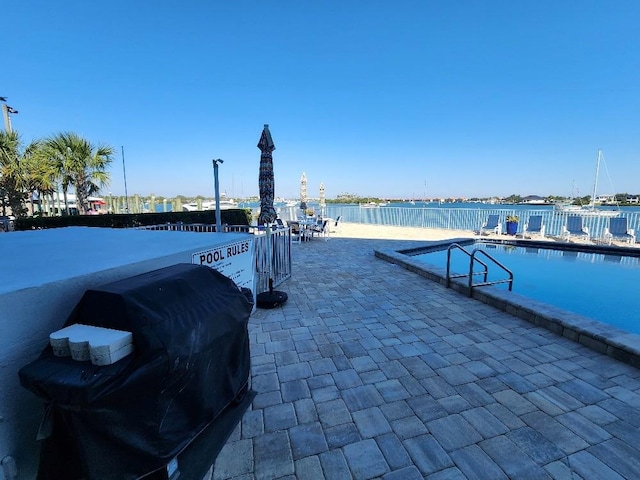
(599, 336)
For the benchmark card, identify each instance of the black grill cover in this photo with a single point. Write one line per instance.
(191, 362)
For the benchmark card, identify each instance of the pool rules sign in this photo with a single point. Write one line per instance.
(233, 259)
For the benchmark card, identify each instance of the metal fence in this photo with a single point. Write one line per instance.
(199, 227)
(7, 223)
(471, 218)
(273, 257)
(273, 249)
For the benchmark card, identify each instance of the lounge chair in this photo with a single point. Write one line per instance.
(574, 228)
(618, 230)
(336, 225)
(492, 225)
(534, 226)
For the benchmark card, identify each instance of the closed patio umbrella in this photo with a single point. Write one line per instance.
(265, 181)
(272, 298)
(323, 203)
(303, 192)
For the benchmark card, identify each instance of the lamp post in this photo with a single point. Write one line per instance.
(6, 111)
(216, 187)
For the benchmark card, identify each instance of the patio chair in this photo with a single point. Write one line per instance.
(574, 228)
(296, 231)
(492, 225)
(280, 223)
(321, 228)
(534, 226)
(618, 230)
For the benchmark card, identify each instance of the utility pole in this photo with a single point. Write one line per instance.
(126, 194)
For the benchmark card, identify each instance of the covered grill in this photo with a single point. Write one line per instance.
(189, 366)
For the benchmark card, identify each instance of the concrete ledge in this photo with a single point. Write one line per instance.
(45, 273)
(598, 336)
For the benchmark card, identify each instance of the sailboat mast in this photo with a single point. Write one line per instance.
(595, 182)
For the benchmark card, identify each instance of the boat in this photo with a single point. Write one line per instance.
(225, 204)
(588, 210)
(565, 207)
(283, 202)
(370, 205)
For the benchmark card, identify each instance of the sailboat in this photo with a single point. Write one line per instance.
(588, 210)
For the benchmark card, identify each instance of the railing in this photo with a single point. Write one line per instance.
(273, 250)
(7, 224)
(486, 283)
(471, 218)
(273, 257)
(198, 227)
(484, 272)
(449, 276)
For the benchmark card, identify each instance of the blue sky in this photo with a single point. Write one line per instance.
(375, 98)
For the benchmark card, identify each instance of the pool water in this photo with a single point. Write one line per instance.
(602, 287)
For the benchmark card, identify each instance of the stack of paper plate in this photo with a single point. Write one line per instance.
(103, 346)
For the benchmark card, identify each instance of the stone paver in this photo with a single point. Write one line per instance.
(365, 459)
(307, 440)
(371, 422)
(371, 371)
(334, 465)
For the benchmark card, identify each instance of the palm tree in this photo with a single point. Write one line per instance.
(39, 173)
(81, 164)
(12, 178)
(92, 173)
(60, 152)
(59, 156)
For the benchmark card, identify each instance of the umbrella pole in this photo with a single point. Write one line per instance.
(272, 298)
(269, 258)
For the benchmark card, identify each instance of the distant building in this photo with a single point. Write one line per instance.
(605, 199)
(534, 200)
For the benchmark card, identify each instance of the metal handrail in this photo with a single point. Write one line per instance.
(494, 282)
(449, 276)
(484, 272)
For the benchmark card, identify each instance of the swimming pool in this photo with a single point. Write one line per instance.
(597, 283)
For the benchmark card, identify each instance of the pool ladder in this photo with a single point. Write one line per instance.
(484, 272)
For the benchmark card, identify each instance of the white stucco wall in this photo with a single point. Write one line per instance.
(43, 275)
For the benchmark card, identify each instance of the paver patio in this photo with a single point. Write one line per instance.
(370, 371)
